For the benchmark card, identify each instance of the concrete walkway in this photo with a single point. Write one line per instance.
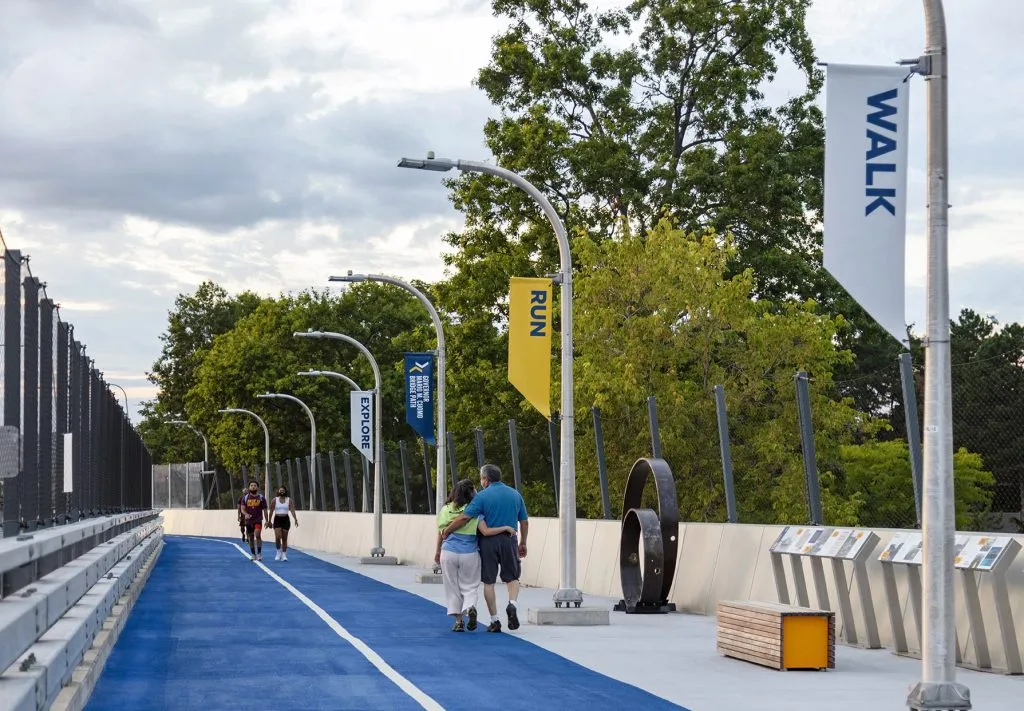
(673, 657)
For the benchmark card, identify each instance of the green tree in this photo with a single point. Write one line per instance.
(261, 354)
(877, 476)
(191, 327)
(663, 315)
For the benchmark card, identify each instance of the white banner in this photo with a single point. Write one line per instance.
(69, 461)
(866, 117)
(362, 422)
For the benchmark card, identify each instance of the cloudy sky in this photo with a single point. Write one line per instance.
(148, 145)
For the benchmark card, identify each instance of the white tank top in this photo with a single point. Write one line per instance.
(281, 508)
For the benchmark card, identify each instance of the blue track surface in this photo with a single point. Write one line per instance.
(211, 631)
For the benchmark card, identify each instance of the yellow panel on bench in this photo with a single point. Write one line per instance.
(777, 636)
(804, 642)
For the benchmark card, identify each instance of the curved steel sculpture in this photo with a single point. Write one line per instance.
(645, 589)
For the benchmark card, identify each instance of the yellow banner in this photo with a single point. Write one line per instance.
(529, 340)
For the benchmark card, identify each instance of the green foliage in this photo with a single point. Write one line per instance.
(877, 477)
(661, 315)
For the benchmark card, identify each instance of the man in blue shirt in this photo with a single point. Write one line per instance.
(499, 505)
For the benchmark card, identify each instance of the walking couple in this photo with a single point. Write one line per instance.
(477, 538)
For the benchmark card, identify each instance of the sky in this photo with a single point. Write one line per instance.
(149, 145)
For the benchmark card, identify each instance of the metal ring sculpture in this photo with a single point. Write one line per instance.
(646, 589)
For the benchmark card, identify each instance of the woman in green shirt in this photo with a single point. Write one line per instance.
(459, 556)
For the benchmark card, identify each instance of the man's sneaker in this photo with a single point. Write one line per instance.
(259, 556)
(277, 556)
(284, 556)
(458, 626)
(471, 614)
(494, 626)
(252, 556)
(513, 617)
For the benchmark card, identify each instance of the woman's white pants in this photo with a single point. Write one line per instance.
(461, 575)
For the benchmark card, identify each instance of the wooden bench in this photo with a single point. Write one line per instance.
(777, 636)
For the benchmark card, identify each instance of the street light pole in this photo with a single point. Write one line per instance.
(567, 593)
(312, 443)
(206, 455)
(441, 441)
(266, 445)
(938, 688)
(377, 552)
(352, 384)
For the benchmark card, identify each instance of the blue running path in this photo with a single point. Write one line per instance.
(213, 630)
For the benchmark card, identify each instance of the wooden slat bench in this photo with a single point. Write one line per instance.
(777, 636)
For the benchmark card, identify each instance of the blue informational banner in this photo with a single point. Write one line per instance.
(419, 394)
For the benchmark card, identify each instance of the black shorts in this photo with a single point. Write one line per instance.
(501, 551)
(254, 527)
(282, 522)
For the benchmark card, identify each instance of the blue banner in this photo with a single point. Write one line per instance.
(419, 394)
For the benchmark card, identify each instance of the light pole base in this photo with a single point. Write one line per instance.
(569, 616)
(377, 557)
(939, 696)
(568, 597)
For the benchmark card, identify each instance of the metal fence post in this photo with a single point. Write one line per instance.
(426, 477)
(913, 427)
(453, 467)
(726, 449)
(291, 483)
(652, 422)
(405, 475)
(301, 478)
(47, 425)
(478, 439)
(555, 453)
(346, 461)
(513, 441)
(63, 389)
(12, 378)
(334, 479)
(803, 402)
(602, 464)
(30, 492)
(317, 466)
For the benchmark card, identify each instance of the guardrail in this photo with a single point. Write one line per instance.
(59, 586)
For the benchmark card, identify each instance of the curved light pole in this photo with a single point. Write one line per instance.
(312, 442)
(377, 552)
(266, 444)
(441, 441)
(567, 593)
(351, 383)
(123, 392)
(938, 688)
(206, 452)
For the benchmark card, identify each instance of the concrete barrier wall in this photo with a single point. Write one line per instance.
(716, 562)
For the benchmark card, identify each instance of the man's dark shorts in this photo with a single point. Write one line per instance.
(499, 551)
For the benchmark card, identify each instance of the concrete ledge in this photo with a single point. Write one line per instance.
(429, 578)
(569, 616)
(75, 695)
(378, 560)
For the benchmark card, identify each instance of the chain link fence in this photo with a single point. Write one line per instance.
(835, 454)
(67, 449)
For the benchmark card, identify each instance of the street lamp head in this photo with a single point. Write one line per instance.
(350, 278)
(311, 372)
(439, 165)
(310, 333)
(264, 396)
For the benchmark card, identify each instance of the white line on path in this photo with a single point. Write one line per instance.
(414, 692)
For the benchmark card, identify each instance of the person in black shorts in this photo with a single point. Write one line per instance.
(281, 505)
(499, 505)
